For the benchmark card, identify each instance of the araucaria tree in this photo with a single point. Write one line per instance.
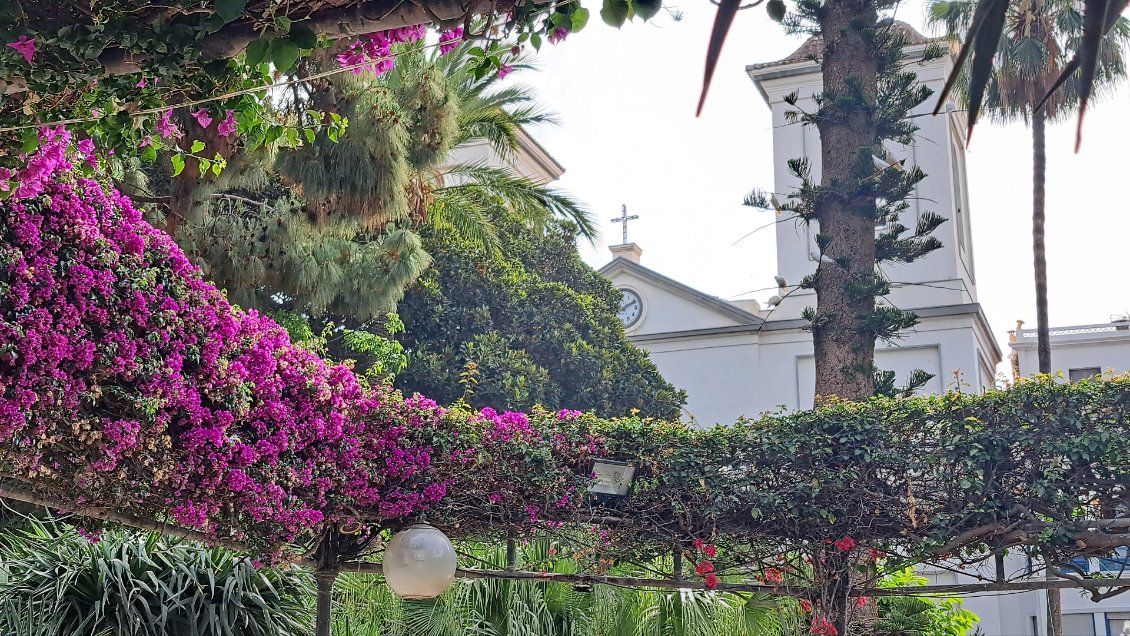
(857, 205)
(869, 91)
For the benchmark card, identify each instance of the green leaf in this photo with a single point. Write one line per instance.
(257, 51)
(178, 164)
(580, 19)
(205, 166)
(284, 54)
(304, 37)
(309, 135)
(476, 51)
(559, 20)
(535, 39)
(646, 9)
(229, 10)
(197, 146)
(282, 24)
(614, 12)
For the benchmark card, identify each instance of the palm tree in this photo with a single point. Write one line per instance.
(330, 228)
(1039, 39)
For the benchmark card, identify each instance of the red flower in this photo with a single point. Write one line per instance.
(710, 550)
(823, 627)
(698, 543)
(711, 581)
(845, 544)
(706, 567)
(874, 554)
(861, 601)
(805, 605)
(774, 576)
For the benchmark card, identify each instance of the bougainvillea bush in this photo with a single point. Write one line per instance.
(126, 379)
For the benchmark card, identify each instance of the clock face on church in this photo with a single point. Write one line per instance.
(631, 307)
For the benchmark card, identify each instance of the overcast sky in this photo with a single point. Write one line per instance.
(629, 136)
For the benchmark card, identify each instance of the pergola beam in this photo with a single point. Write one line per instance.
(368, 16)
(776, 590)
(24, 495)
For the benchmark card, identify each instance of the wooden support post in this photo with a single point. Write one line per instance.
(324, 622)
(326, 575)
(678, 573)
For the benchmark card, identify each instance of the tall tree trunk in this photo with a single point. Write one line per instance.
(844, 352)
(1043, 335)
(1039, 258)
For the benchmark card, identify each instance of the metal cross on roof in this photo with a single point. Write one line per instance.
(623, 221)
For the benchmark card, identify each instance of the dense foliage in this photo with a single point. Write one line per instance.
(330, 229)
(130, 380)
(126, 72)
(529, 323)
(132, 387)
(59, 581)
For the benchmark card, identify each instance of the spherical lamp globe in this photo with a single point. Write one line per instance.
(419, 562)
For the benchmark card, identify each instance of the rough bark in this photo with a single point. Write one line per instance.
(844, 353)
(1039, 257)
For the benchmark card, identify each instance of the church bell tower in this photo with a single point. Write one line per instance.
(945, 277)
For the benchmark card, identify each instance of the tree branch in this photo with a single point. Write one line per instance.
(365, 17)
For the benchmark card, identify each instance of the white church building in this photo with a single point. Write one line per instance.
(738, 359)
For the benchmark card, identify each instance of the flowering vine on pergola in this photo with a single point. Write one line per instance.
(119, 70)
(132, 392)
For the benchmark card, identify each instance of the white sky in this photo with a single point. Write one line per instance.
(626, 100)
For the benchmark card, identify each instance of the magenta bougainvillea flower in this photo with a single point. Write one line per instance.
(127, 378)
(202, 117)
(227, 126)
(449, 40)
(166, 128)
(25, 47)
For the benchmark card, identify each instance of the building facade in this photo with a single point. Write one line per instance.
(746, 360)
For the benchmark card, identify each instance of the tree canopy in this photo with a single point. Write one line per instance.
(528, 323)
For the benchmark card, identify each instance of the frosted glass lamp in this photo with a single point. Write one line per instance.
(419, 562)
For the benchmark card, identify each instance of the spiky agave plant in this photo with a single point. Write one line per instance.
(57, 583)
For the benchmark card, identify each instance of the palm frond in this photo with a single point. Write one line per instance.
(534, 202)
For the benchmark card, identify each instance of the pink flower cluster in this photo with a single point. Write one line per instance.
(449, 40)
(127, 378)
(373, 51)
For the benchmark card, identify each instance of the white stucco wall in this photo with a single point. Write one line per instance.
(950, 347)
(718, 372)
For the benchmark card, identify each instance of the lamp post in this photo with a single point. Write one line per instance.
(419, 562)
